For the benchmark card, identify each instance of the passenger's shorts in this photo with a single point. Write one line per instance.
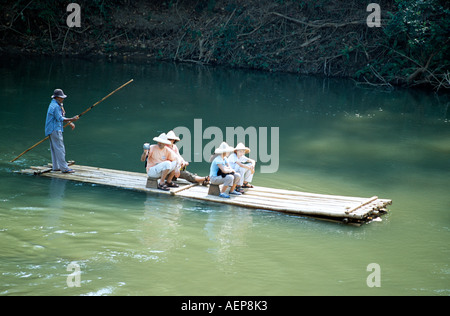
(228, 180)
(157, 170)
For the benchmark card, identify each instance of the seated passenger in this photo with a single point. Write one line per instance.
(221, 172)
(183, 173)
(161, 162)
(243, 165)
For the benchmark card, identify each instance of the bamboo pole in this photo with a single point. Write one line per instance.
(372, 199)
(188, 186)
(87, 110)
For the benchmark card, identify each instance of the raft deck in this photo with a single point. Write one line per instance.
(356, 210)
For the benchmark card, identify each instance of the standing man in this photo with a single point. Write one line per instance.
(54, 127)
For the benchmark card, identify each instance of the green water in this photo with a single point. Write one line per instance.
(334, 138)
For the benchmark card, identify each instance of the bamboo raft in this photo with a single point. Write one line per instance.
(346, 209)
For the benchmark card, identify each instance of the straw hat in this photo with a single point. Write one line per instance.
(241, 146)
(223, 148)
(162, 139)
(171, 135)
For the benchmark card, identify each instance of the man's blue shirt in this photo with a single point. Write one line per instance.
(55, 118)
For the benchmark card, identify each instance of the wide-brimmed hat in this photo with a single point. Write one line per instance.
(58, 93)
(241, 146)
(171, 135)
(223, 148)
(162, 139)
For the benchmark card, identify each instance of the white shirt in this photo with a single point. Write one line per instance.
(233, 160)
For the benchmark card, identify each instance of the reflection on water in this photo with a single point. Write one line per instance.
(227, 235)
(333, 138)
(160, 226)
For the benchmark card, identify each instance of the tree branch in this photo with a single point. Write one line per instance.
(317, 24)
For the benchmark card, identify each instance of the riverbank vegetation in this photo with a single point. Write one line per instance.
(328, 37)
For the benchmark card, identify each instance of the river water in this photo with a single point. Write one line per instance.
(312, 134)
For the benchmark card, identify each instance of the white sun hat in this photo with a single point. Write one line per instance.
(171, 135)
(223, 148)
(241, 146)
(162, 139)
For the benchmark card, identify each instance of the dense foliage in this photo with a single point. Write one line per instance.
(415, 48)
(328, 37)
